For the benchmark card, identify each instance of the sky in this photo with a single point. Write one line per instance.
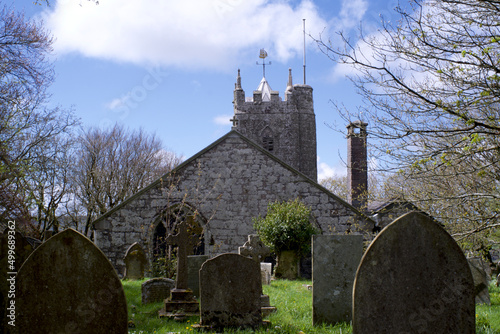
(170, 67)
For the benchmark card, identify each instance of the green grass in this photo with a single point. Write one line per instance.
(294, 303)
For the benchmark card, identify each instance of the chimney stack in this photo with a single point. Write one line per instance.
(357, 165)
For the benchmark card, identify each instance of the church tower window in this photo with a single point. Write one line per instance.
(268, 139)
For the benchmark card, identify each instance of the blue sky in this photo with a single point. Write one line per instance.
(170, 66)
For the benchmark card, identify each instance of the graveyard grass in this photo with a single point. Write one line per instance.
(294, 303)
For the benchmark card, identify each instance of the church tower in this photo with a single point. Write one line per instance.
(286, 128)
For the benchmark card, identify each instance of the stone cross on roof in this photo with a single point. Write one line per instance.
(181, 240)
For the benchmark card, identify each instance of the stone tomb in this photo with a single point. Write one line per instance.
(335, 260)
(230, 289)
(413, 278)
(136, 262)
(67, 285)
(156, 290)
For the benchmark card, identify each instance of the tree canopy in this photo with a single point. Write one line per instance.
(430, 87)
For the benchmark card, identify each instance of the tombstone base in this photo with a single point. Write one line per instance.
(180, 305)
(265, 306)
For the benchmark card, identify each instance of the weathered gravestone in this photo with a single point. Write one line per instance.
(335, 260)
(136, 262)
(266, 271)
(413, 278)
(230, 289)
(481, 279)
(194, 263)
(14, 250)
(67, 285)
(156, 289)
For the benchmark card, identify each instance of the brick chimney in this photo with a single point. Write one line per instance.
(357, 164)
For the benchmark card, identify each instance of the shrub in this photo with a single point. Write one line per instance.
(286, 226)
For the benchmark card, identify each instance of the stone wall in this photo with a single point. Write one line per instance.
(229, 183)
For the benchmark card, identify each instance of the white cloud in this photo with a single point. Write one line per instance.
(195, 33)
(222, 119)
(326, 171)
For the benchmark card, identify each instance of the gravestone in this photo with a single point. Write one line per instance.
(266, 272)
(194, 263)
(413, 278)
(67, 285)
(12, 243)
(335, 260)
(254, 248)
(230, 289)
(181, 302)
(481, 280)
(156, 290)
(135, 262)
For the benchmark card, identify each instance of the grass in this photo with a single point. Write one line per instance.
(294, 303)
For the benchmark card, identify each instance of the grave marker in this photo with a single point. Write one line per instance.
(67, 285)
(335, 260)
(413, 278)
(230, 289)
(181, 302)
(135, 262)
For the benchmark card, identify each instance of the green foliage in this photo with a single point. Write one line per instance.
(286, 226)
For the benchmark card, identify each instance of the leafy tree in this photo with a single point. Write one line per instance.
(286, 226)
(430, 83)
(287, 230)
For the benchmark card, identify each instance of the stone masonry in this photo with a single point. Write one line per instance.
(228, 183)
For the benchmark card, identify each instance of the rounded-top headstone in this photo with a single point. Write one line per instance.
(67, 285)
(413, 278)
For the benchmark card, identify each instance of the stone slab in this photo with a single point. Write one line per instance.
(335, 261)
(136, 262)
(230, 289)
(194, 263)
(67, 285)
(413, 278)
(266, 271)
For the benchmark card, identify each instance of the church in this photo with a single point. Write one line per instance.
(269, 155)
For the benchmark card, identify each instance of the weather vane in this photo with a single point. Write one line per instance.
(263, 55)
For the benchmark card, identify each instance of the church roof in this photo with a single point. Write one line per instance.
(231, 134)
(265, 88)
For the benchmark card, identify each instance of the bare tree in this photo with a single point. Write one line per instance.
(430, 85)
(27, 127)
(113, 164)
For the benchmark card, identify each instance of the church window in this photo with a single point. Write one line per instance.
(268, 143)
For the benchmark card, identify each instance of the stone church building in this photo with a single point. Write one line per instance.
(269, 155)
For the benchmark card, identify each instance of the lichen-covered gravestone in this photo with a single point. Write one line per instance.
(335, 260)
(413, 278)
(230, 289)
(135, 262)
(67, 285)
